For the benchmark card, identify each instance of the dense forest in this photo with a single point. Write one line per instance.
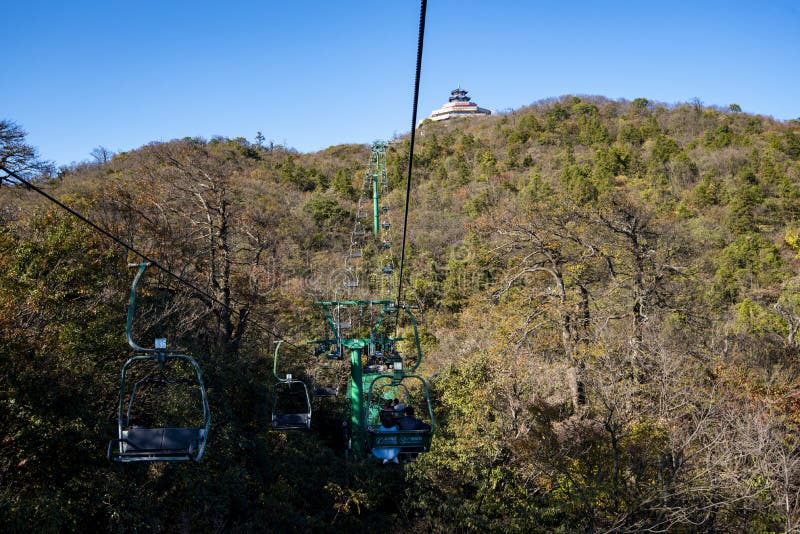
(608, 297)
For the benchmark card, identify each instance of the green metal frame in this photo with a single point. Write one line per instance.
(378, 179)
(361, 382)
(387, 307)
(126, 449)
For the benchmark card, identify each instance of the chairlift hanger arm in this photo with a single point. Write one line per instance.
(132, 306)
(275, 362)
(407, 309)
(142, 266)
(329, 321)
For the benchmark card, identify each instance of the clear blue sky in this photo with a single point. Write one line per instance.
(78, 75)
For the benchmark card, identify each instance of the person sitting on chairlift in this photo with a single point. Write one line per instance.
(409, 422)
(387, 455)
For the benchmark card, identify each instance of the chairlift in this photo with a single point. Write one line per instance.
(386, 387)
(325, 382)
(322, 391)
(139, 442)
(291, 404)
(387, 269)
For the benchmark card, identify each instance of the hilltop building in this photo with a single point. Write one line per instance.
(458, 105)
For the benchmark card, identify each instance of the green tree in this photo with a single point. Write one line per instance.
(344, 185)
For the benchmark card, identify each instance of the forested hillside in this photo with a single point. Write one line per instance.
(608, 300)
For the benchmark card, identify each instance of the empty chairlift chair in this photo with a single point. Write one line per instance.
(163, 381)
(326, 381)
(291, 403)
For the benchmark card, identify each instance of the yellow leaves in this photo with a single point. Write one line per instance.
(792, 239)
(347, 500)
(752, 318)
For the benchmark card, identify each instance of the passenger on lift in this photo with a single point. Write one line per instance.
(387, 455)
(409, 422)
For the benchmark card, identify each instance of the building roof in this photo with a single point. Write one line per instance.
(458, 105)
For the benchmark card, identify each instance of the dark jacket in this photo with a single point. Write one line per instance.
(412, 423)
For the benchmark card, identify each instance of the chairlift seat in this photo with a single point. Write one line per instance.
(289, 421)
(161, 439)
(351, 283)
(408, 441)
(326, 392)
(387, 269)
(355, 254)
(148, 444)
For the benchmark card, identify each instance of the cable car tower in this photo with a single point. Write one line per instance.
(378, 369)
(360, 331)
(378, 373)
(372, 204)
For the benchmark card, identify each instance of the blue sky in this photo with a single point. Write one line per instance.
(78, 75)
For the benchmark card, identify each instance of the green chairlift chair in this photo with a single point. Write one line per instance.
(148, 443)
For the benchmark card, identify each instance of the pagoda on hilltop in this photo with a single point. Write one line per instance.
(458, 105)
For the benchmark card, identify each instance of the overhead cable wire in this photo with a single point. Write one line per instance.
(142, 255)
(420, 41)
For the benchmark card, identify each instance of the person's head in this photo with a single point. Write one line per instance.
(409, 411)
(396, 401)
(386, 420)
